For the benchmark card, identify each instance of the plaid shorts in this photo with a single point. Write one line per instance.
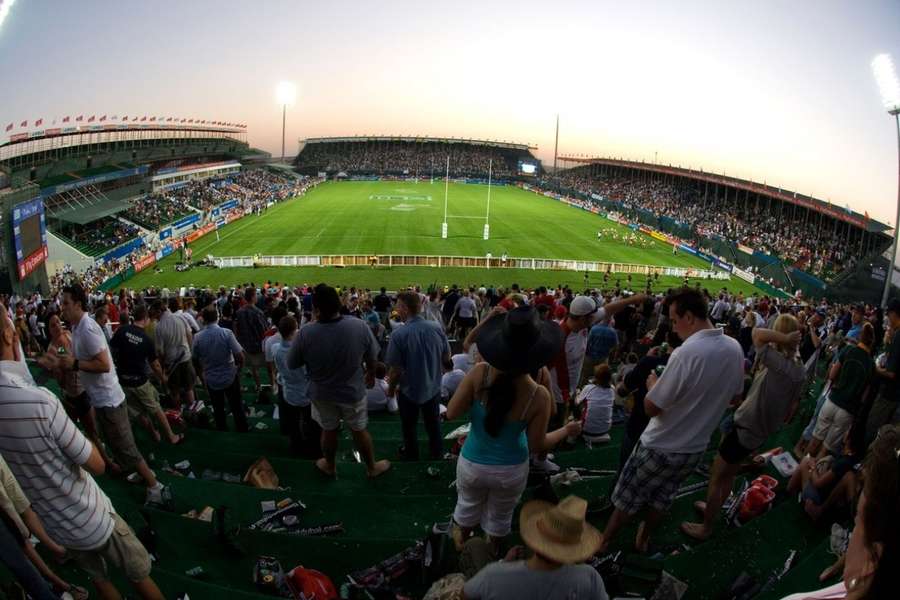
(651, 477)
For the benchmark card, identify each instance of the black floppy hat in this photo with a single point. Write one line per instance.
(519, 341)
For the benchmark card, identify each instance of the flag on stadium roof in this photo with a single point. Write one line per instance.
(190, 120)
(152, 118)
(124, 118)
(9, 127)
(134, 119)
(103, 118)
(79, 118)
(24, 124)
(65, 119)
(91, 120)
(169, 119)
(38, 122)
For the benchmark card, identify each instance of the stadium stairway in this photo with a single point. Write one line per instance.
(379, 518)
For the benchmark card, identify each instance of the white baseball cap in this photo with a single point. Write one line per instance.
(582, 306)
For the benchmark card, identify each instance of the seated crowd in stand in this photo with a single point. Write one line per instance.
(535, 369)
(409, 158)
(818, 250)
(158, 209)
(254, 189)
(100, 235)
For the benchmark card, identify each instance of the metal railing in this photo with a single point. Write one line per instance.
(481, 262)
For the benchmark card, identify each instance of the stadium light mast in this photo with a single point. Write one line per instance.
(556, 153)
(286, 94)
(889, 85)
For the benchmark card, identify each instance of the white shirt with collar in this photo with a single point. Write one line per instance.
(700, 379)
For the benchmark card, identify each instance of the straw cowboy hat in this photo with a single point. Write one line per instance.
(559, 532)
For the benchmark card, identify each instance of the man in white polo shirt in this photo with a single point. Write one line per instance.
(97, 373)
(53, 463)
(685, 404)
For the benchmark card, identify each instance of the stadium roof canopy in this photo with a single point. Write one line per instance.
(419, 139)
(822, 206)
(81, 215)
(42, 140)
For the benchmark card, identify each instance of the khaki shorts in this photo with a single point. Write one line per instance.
(116, 428)
(123, 549)
(142, 400)
(329, 415)
(831, 426)
(257, 361)
(183, 377)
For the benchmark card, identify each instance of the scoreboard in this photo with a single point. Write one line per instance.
(29, 236)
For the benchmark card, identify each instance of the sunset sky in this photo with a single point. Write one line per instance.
(780, 92)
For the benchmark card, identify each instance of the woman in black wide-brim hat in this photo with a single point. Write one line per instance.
(509, 413)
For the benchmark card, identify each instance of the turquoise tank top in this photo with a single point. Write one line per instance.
(510, 447)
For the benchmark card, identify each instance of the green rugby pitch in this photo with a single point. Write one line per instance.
(398, 217)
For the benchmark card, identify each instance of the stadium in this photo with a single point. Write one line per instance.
(121, 199)
(167, 286)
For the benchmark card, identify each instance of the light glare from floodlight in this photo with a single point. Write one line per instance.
(5, 5)
(286, 93)
(886, 77)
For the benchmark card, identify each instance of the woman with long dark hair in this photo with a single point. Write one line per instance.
(509, 413)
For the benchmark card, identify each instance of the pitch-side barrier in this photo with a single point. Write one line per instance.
(481, 262)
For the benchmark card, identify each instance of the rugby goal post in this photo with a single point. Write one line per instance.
(446, 190)
(486, 232)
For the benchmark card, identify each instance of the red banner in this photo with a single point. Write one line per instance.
(199, 233)
(143, 263)
(37, 258)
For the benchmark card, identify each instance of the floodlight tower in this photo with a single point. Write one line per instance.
(5, 5)
(286, 94)
(888, 84)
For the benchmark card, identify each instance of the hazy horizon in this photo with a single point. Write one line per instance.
(774, 92)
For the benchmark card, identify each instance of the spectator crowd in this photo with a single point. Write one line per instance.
(409, 158)
(253, 189)
(816, 248)
(535, 371)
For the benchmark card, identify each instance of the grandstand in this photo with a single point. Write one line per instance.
(401, 156)
(109, 189)
(793, 241)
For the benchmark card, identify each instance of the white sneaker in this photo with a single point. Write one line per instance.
(154, 495)
(545, 466)
(136, 477)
